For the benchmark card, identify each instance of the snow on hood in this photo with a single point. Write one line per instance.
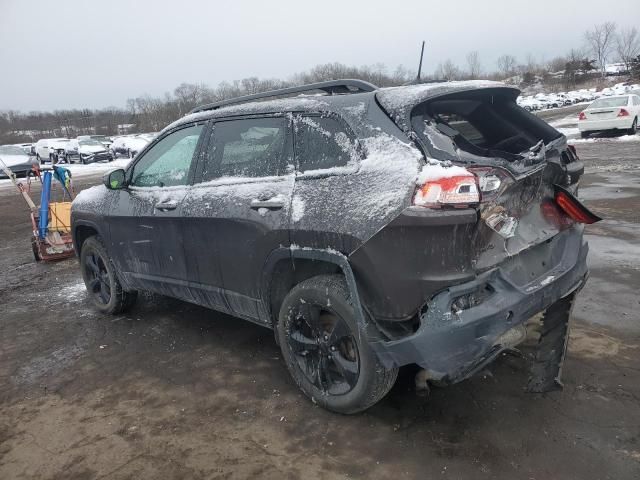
(56, 144)
(136, 142)
(13, 160)
(89, 149)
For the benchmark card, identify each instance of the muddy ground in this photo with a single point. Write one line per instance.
(172, 390)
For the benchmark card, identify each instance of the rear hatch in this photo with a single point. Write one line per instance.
(518, 161)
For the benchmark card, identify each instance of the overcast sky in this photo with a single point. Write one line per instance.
(79, 53)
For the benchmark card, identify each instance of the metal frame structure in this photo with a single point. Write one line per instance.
(332, 87)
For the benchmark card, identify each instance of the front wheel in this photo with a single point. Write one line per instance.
(99, 275)
(326, 351)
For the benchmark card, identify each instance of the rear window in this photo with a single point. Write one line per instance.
(321, 143)
(610, 102)
(480, 123)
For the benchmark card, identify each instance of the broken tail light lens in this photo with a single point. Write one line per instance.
(573, 207)
(623, 113)
(582, 116)
(460, 191)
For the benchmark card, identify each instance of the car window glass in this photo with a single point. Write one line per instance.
(252, 147)
(636, 100)
(321, 143)
(168, 162)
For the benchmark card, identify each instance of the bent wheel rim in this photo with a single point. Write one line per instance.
(324, 349)
(98, 283)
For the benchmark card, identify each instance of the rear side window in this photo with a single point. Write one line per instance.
(253, 147)
(636, 100)
(321, 143)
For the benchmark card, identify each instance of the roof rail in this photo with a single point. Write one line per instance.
(331, 87)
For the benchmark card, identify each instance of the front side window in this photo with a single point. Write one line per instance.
(168, 162)
(321, 143)
(252, 147)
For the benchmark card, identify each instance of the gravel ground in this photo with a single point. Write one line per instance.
(172, 390)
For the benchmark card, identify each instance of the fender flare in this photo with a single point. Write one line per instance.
(82, 223)
(329, 256)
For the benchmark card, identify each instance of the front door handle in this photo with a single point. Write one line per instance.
(274, 203)
(166, 206)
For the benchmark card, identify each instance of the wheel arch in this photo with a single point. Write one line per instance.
(81, 231)
(286, 267)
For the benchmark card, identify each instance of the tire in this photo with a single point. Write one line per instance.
(355, 382)
(83, 160)
(634, 127)
(99, 275)
(584, 134)
(34, 248)
(39, 159)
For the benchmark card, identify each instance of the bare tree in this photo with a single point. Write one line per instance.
(473, 64)
(447, 71)
(507, 65)
(601, 40)
(628, 46)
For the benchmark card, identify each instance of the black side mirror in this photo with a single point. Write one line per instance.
(114, 180)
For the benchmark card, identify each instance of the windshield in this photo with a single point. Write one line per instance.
(610, 102)
(11, 150)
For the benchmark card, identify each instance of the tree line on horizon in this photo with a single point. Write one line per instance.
(148, 113)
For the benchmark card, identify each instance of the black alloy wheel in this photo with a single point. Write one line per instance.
(324, 349)
(98, 284)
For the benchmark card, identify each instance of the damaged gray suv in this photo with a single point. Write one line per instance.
(370, 228)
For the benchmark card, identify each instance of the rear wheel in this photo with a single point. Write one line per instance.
(326, 352)
(634, 127)
(99, 275)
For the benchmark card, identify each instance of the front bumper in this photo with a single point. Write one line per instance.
(452, 346)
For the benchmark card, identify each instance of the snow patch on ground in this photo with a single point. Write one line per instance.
(623, 138)
(73, 293)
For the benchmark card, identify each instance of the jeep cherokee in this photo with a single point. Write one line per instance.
(371, 228)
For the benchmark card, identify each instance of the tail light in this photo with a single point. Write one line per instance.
(459, 191)
(582, 116)
(623, 113)
(573, 207)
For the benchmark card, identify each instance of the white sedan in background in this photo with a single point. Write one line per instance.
(620, 112)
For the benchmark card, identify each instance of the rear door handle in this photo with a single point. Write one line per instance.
(272, 204)
(166, 206)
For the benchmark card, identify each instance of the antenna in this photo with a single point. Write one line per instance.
(420, 64)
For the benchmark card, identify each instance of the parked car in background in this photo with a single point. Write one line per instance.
(86, 150)
(50, 149)
(28, 148)
(106, 141)
(129, 146)
(610, 113)
(16, 159)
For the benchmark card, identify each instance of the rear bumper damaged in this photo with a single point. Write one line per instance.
(452, 344)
